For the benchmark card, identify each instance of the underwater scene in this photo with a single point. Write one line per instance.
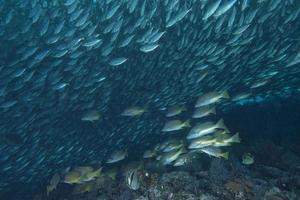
(150, 99)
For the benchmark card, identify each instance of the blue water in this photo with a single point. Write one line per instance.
(61, 59)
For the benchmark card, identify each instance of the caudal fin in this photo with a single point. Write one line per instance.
(220, 124)
(183, 150)
(97, 173)
(187, 123)
(225, 95)
(225, 155)
(235, 138)
(213, 111)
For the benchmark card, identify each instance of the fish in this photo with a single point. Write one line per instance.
(117, 156)
(85, 187)
(133, 111)
(73, 177)
(81, 174)
(171, 145)
(215, 152)
(225, 139)
(211, 98)
(91, 116)
(204, 111)
(175, 125)
(206, 128)
(259, 83)
(181, 160)
(211, 9)
(204, 141)
(247, 159)
(220, 138)
(175, 110)
(224, 7)
(90, 175)
(185, 159)
(149, 47)
(177, 18)
(53, 183)
(169, 157)
(241, 96)
(149, 154)
(133, 179)
(117, 61)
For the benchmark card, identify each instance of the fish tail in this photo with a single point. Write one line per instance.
(49, 189)
(213, 111)
(235, 138)
(187, 123)
(183, 150)
(225, 95)
(98, 172)
(225, 155)
(221, 125)
(113, 177)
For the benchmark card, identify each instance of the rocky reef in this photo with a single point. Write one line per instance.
(273, 176)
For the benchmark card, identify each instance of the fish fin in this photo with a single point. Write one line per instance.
(225, 95)
(225, 155)
(113, 177)
(218, 138)
(67, 170)
(49, 189)
(126, 152)
(221, 125)
(183, 150)
(187, 123)
(97, 173)
(213, 111)
(183, 108)
(235, 138)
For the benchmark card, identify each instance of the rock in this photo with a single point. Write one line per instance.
(241, 189)
(179, 181)
(272, 197)
(218, 172)
(270, 172)
(290, 160)
(157, 193)
(102, 197)
(185, 196)
(273, 194)
(207, 197)
(142, 198)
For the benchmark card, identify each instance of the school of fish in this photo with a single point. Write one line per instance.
(83, 79)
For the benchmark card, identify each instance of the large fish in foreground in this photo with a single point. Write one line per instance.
(63, 58)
